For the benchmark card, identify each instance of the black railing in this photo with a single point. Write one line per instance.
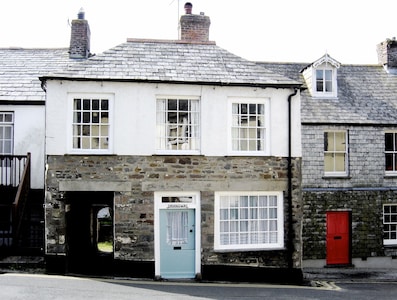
(21, 200)
(11, 169)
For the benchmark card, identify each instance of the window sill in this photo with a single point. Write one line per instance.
(278, 248)
(336, 177)
(391, 175)
(394, 245)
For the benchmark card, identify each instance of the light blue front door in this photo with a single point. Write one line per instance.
(177, 243)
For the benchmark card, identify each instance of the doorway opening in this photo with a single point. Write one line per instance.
(89, 231)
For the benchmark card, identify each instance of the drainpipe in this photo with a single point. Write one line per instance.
(290, 244)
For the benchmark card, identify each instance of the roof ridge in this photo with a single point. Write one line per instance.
(138, 40)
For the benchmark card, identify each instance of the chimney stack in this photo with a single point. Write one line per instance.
(194, 28)
(80, 37)
(387, 55)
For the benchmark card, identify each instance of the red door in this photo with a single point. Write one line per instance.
(338, 238)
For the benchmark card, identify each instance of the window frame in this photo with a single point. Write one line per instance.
(392, 172)
(389, 223)
(162, 127)
(249, 246)
(7, 124)
(110, 110)
(266, 126)
(334, 88)
(346, 154)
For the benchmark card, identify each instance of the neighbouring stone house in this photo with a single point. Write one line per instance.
(191, 154)
(22, 107)
(349, 181)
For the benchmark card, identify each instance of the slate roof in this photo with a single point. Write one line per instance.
(367, 94)
(172, 61)
(20, 70)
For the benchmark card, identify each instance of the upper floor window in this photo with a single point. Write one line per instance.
(390, 224)
(321, 77)
(91, 124)
(249, 220)
(324, 81)
(335, 153)
(6, 132)
(178, 125)
(248, 128)
(391, 152)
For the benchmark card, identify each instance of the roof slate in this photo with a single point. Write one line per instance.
(20, 70)
(367, 94)
(172, 61)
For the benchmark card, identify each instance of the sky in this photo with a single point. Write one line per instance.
(260, 30)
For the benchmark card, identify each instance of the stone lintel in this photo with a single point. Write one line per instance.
(91, 186)
(252, 185)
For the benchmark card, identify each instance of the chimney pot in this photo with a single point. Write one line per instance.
(188, 8)
(81, 14)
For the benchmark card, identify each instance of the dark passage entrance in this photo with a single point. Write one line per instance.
(89, 223)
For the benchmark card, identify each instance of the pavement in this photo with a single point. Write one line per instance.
(36, 265)
(350, 274)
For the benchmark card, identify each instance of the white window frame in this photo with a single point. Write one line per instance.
(388, 222)
(345, 152)
(71, 98)
(7, 124)
(325, 65)
(265, 126)
(393, 152)
(170, 136)
(222, 196)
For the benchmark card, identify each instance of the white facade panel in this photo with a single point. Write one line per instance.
(133, 127)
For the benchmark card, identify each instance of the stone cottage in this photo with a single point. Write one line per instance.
(173, 159)
(349, 160)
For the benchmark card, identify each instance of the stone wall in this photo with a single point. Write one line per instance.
(134, 208)
(366, 208)
(363, 191)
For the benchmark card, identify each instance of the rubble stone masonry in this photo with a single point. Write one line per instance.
(134, 208)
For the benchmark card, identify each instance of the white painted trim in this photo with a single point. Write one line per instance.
(196, 205)
(69, 119)
(248, 100)
(253, 247)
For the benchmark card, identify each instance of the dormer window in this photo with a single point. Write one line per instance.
(323, 81)
(321, 77)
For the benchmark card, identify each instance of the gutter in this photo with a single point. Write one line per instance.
(291, 235)
(283, 85)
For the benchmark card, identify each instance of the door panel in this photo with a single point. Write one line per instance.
(177, 243)
(338, 238)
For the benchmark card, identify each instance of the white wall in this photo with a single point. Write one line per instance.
(29, 137)
(134, 126)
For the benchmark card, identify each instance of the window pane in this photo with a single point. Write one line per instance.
(389, 144)
(328, 75)
(328, 162)
(389, 161)
(340, 141)
(340, 162)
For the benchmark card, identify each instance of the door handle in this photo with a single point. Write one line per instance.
(177, 248)
(337, 237)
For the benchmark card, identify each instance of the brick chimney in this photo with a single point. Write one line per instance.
(80, 37)
(387, 55)
(194, 28)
